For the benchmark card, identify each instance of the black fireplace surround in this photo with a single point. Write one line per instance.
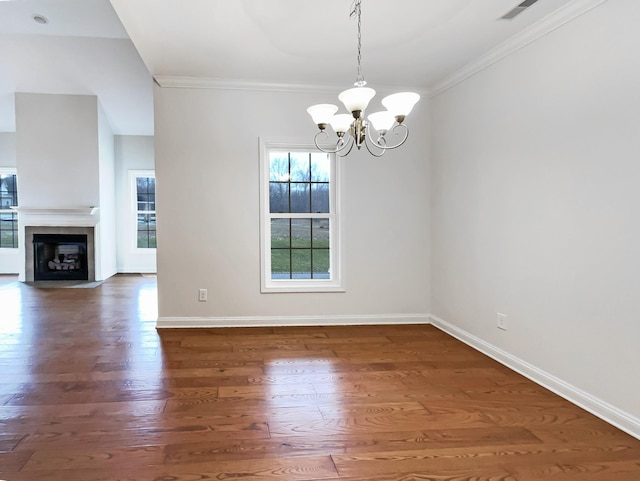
(60, 257)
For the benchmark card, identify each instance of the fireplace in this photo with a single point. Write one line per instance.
(59, 253)
(60, 257)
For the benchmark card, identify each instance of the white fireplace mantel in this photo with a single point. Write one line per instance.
(71, 216)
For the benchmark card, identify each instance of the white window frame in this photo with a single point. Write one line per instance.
(336, 282)
(133, 203)
(10, 171)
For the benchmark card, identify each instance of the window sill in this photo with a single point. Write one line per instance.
(275, 287)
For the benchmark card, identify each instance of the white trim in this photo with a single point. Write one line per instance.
(72, 211)
(274, 321)
(554, 20)
(175, 81)
(337, 281)
(611, 414)
(63, 217)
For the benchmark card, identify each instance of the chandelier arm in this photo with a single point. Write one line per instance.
(350, 143)
(340, 144)
(367, 143)
(384, 146)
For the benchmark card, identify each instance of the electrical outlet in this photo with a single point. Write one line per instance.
(202, 295)
(502, 321)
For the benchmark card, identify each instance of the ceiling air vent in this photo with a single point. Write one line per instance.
(518, 10)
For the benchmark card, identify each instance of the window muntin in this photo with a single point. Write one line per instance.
(300, 247)
(8, 217)
(145, 210)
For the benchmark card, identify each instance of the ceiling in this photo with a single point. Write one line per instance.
(82, 50)
(85, 49)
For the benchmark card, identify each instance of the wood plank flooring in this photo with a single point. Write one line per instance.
(90, 391)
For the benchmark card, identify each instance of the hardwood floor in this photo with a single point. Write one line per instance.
(90, 391)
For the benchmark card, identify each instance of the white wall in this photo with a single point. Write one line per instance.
(207, 164)
(9, 258)
(57, 145)
(107, 225)
(7, 149)
(535, 206)
(133, 152)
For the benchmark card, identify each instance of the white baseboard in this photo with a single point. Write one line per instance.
(605, 411)
(272, 321)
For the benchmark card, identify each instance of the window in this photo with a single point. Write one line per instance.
(144, 198)
(300, 224)
(8, 217)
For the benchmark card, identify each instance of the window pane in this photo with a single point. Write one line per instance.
(300, 198)
(8, 230)
(142, 184)
(299, 167)
(143, 239)
(6, 200)
(280, 233)
(280, 264)
(8, 191)
(301, 264)
(320, 167)
(146, 202)
(144, 206)
(280, 249)
(321, 233)
(278, 197)
(300, 232)
(320, 198)
(146, 231)
(146, 193)
(321, 263)
(279, 166)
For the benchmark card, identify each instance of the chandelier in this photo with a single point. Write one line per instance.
(352, 129)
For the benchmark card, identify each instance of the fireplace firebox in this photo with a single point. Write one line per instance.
(60, 257)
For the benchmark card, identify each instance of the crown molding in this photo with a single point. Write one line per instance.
(177, 81)
(551, 22)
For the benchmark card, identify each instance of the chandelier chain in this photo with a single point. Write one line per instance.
(357, 12)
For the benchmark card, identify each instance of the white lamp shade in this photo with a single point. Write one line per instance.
(341, 122)
(382, 121)
(356, 98)
(322, 113)
(400, 103)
